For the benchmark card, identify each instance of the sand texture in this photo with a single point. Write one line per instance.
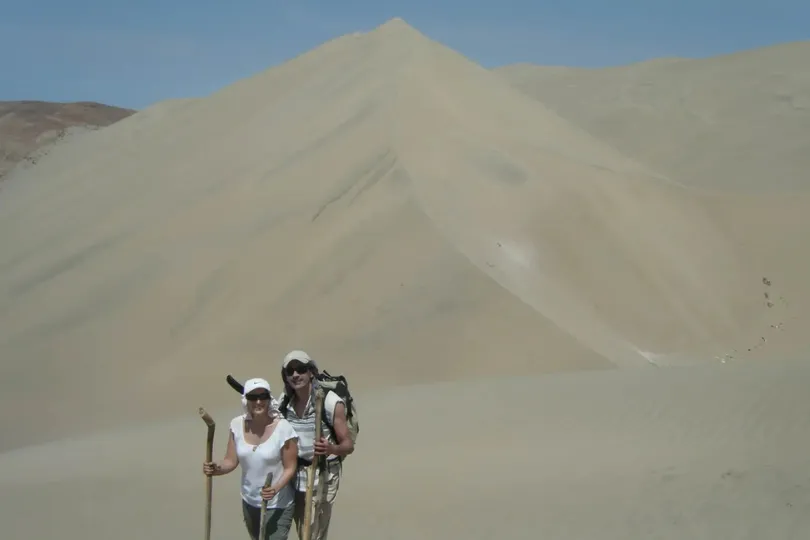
(739, 121)
(549, 336)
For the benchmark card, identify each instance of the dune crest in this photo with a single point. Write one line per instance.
(736, 121)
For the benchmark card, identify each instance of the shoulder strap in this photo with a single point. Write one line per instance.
(325, 420)
(282, 408)
(325, 417)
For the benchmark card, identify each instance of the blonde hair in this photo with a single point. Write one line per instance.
(272, 412)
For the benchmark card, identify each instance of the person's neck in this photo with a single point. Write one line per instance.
(261, 421)
(302, 394)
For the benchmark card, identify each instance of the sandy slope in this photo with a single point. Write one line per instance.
(738, 121)
(408, 217)
(700, 453)
(735, 126)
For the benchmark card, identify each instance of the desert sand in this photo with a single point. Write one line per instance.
(735, 121)
(548, 337)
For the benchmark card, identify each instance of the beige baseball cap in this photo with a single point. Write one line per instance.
(299, 355)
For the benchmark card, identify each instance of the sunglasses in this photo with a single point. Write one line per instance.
(258, 397)
(296, 368)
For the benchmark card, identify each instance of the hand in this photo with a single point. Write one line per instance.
(210, 468)
(323, 447)
(268, 493)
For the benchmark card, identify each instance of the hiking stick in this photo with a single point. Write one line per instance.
(307, 535)
(267, 483)
(209, 452)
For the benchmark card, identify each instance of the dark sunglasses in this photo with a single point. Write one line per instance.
(296, 368)
(258, 397)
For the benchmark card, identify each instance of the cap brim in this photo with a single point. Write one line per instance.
(304, 361)
(256, 384)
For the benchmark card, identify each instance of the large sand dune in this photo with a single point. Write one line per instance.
(409, 218)
(735, 126)
(739, 121)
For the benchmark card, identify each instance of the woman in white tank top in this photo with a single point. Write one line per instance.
(262, 442)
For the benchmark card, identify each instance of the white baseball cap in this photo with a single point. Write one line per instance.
(253, 384)
(301, 356)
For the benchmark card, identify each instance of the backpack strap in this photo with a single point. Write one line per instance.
(324, 417)
(282, 407)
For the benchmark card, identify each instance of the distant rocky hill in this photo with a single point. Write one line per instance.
(28, 126)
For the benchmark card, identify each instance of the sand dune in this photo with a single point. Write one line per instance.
(738, 121)
(410, 218)
(736, 127)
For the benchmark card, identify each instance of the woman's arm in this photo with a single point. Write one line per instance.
(230, 461)
(289, 460)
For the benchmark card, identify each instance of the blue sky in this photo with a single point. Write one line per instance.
(135, 53)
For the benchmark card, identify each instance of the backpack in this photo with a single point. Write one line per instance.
(340, 386)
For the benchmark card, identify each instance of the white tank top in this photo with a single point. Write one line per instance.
(255, 464)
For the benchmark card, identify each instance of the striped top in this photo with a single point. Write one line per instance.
(304, 426)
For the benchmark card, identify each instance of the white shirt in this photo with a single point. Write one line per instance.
(257, 461)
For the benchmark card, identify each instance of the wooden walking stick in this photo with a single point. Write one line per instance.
(209, 452)
(307, 535)
(262, 525)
